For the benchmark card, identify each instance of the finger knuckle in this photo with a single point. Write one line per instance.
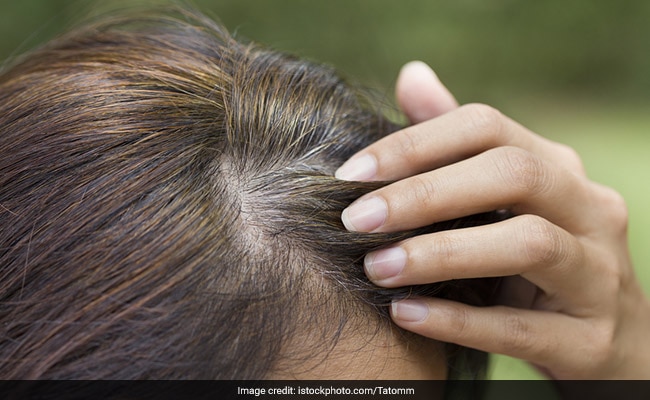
(518, 336)
(602, 344)
(572, 159)
(485, 120)
(424, 190)
(613, 276)
(543, 245)
(408, 143)
(522, 170)
(616, 211)
(460, 324)
(445, 250)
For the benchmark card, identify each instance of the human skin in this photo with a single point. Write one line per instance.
(571, 306)
(368, 354)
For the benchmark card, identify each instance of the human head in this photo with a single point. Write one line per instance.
(169, 210)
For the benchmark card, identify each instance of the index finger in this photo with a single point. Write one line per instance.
(420, 94)
(454, 136)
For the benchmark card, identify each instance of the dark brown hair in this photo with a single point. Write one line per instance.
(168, 207)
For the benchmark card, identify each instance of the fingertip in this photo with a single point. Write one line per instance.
(383, 266)
(345, 219)
(421, 94)
(418, 69)
(409, 311)
(358, 168)
(365, 215)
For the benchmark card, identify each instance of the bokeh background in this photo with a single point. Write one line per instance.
(574, 71)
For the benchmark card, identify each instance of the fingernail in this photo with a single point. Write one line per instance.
(384, 264)
(365, 215)
(409, 310)
(360, 168)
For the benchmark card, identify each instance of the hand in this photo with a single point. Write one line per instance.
(573, 306)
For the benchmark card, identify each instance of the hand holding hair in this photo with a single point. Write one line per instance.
(571, 305)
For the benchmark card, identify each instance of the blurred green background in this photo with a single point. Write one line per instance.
(575, 71)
